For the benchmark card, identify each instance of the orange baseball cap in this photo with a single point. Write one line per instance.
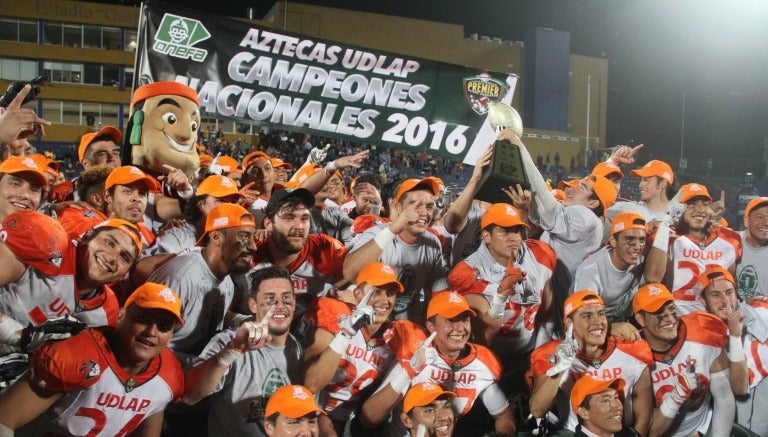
(277, 162)
(224, 216)
(650, 298)
(572, 183)
(229, 164)
(754, 203)
(127, 227)
(218, 186)
(163, 88)
(607, 169)
(586, 386)
(414, 184)
(714, 273)
(579, 299)
(438, 181)
(378, 274)
(691, 191)
(252, 156)
(156, 296)
(655, 168)
(88, 138)
(448, 304)
(559, 195)
(604, 190)
(501, 214)
(302, 174)
(129, 174)
(423, 394)
(24, 164)
(205, 160)
(36, 239)
(292, 401)
(46, 164)
(626, 220)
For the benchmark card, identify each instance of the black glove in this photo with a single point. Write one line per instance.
(32, 337)
(12, 366)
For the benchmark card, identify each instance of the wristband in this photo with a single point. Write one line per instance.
(661, 241)
(10, 331)
(339, 343)
(229, 354)
(736, 349)
(496, 310)
(151, 199)
(186, 194)
(401, 380)
(239, 319)
(384, 238)
(669, 408)
(330, 168)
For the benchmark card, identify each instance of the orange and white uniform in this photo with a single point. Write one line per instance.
(622, 359)
(366, 358)
(36, 297)
(691, 257)
(702, 337)
(100, 397)
(538, 260)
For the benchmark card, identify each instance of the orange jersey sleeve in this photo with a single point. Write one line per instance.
(77, 221)
(324, 313)
(543, 252)
(731, 237)
(367, 221)
(705, 328)
(543, 357)
(403, 337)
(489, 359)
(463, 279)
(172, 373)
(638, 349)
(326, 254)
(60, 367)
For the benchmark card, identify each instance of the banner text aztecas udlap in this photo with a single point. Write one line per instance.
(259, 75)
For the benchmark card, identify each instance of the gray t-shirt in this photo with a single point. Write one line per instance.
(238, 403)
(752, 269)
(617, 287)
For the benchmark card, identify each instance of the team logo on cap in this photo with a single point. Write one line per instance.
(481, 90)
(298, 393)
(653, 290)
(226, 182)
(167, 294)
(177, 35)
(429, 386)
(220, 221)
(387, 269)
(454, 298)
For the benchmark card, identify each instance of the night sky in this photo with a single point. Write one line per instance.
(714, 52)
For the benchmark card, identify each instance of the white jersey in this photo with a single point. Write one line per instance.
(419, 267)
(752, 270)
(535, 258)
(701, 337)
(258, 209)
(617, 287)
(100, 398)
(466, 242)
(204, 299)
(621, 359)
(240, 398)
(691, 257)
(574, 233)
(755, 340)
(348, 206)
(173, 240)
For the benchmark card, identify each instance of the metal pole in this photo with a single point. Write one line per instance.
(589, 101)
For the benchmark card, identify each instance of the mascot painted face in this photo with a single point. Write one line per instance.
(165, 118)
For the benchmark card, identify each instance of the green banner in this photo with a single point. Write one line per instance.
(258, 75)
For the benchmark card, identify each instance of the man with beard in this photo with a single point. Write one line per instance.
(202, 277)
(691, 368)
(405, 244)
(46, 275)
(747, 336)
(618, 269)
(242, 368)
(588, 349)
(427, 411)
(360, 340)
(314, 261)
(599, 407)
(699, 243)
(103, 381)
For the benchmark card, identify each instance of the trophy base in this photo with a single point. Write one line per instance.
(506, 169)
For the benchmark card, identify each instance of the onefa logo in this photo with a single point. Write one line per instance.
(177, 35)
(481, 90)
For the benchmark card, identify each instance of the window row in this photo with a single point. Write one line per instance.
(68, 35)
(78, 113)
